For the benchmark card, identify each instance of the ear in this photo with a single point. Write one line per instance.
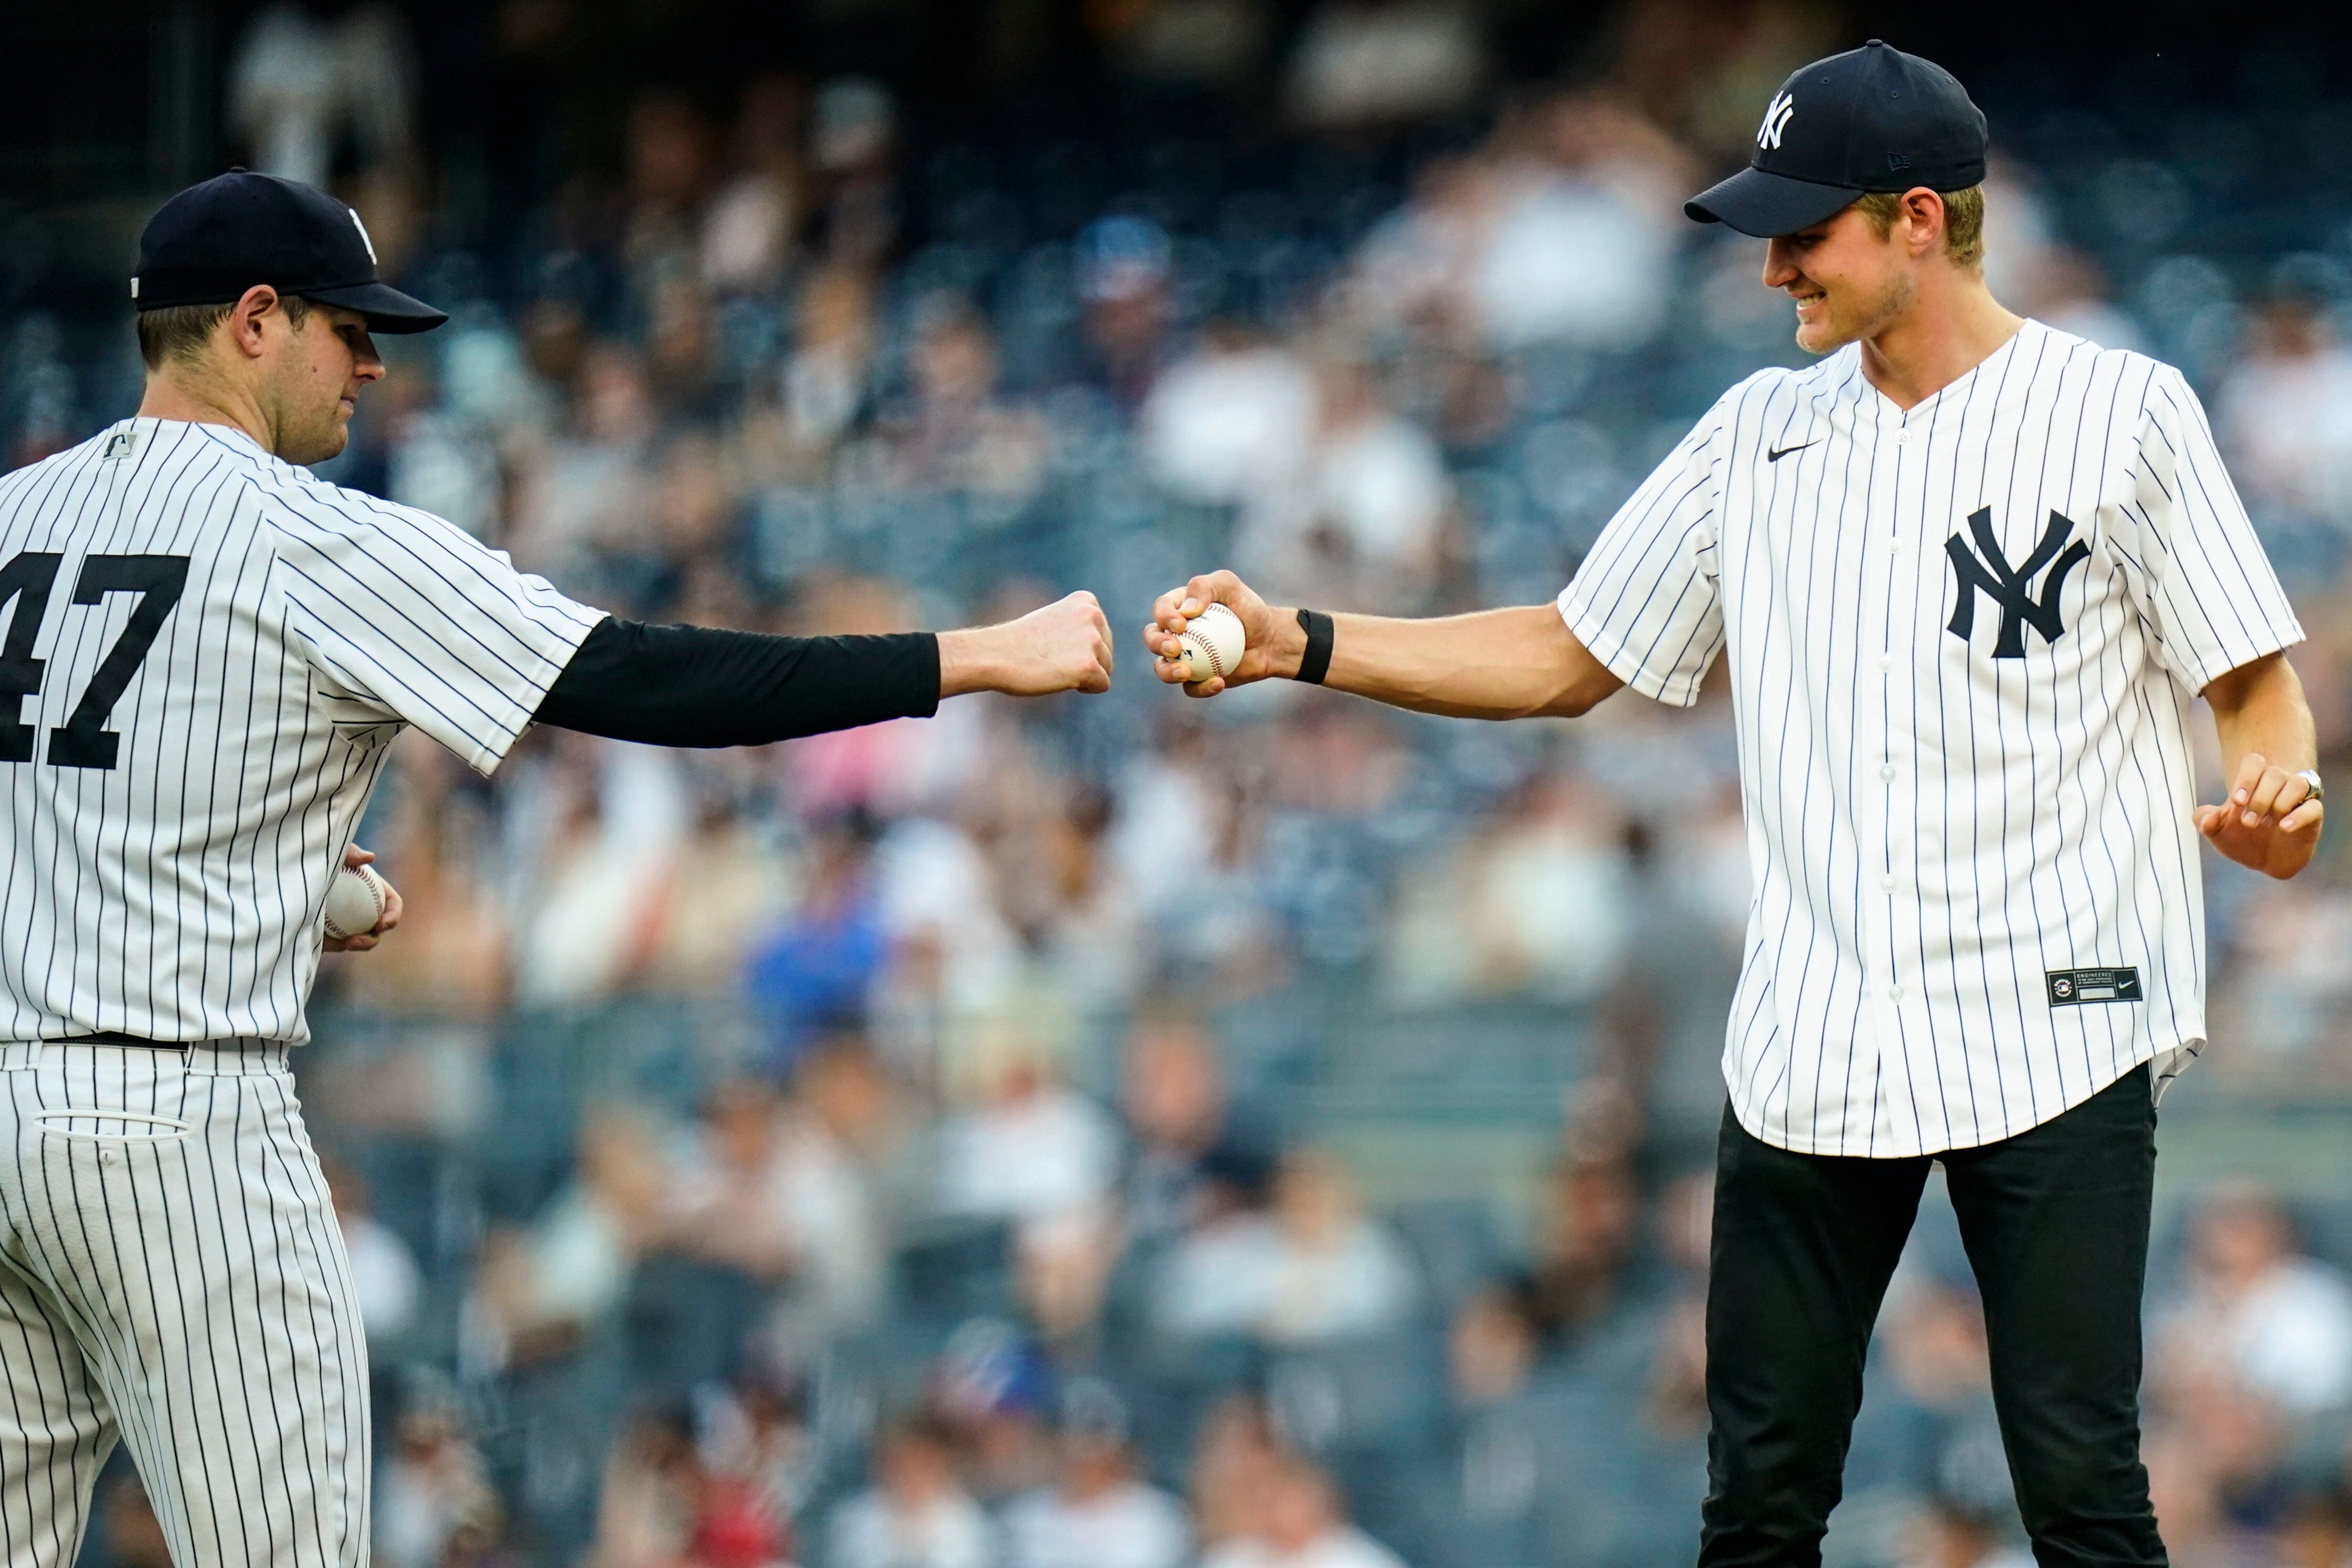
(244, 318)
(1924, 209)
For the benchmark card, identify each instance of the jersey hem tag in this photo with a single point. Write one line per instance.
(2074, 987)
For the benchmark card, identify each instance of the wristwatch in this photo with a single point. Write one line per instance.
(2311, 777)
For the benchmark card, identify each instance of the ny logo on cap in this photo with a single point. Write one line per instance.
(2005, 584)
(1776, 120)
(363, 235)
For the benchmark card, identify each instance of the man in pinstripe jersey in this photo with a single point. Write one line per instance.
(204, 655)
(1968, 573)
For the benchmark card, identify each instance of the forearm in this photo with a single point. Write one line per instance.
(1493, 663)
(700, 686)
(2260, 710)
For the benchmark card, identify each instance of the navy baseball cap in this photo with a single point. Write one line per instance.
(1873, 119)
(211, 242)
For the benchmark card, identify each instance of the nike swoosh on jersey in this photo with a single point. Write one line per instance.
(1774, 455)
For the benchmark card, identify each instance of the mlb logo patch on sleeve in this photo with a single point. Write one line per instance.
(2072, 987)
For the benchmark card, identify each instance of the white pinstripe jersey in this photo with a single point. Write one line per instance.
(1963, 640)
(206, 654)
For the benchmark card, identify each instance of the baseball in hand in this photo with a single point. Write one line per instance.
(1213, 645)
(355, 902)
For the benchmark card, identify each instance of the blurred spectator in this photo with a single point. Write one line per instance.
(1233, 422)
(725, 890)
(542, 1291)
(1359, 527)
(384, 1276)
(1314, 1268)
(591, 487)
(1951, 1534)
(2069, 291)
(816, 966)
(1230, 1453)
(2258, 1310)
(828, 380)
(1585, 1246)
(593, 925)
(917, 1515)
(668, 179)
(1532, 904)
(1124, 267)
(1580, 244)
(1562, 231)
(747, 232)
(1503, 1432)
(1931, 1383)
(1190, 1155)
(2285, 414)
(1372, 61)
(993, 1392)
(1186, 802)
(307, 78)
(434, 1487)
(1302, 1522)
(767, 1192)
(854, 145)
(954, 435)
(1097, 1514)
(1029, 1149)
(660, 1506)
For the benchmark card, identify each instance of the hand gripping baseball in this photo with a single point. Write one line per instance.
(1273, 641)
(356, 857)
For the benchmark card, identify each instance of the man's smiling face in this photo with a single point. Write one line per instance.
(1848, 279)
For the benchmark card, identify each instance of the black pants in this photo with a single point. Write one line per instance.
(2055, 1221)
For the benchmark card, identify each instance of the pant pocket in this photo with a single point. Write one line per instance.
(108, 1126)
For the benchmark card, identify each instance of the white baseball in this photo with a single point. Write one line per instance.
(355, 903)
(1213, 644)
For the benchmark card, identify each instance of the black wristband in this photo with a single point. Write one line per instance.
(1316, 663)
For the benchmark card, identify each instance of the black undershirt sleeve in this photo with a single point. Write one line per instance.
(698, 685)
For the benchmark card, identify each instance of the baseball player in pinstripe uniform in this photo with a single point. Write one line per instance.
(1968, 573)
(204, 655)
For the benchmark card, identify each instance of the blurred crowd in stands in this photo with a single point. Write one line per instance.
(1126, 1133)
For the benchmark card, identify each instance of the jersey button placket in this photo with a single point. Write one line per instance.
(1879, 712)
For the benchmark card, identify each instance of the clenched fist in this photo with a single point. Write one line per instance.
(1274, 641)
(1063, 647)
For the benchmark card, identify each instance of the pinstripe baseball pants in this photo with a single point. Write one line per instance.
(170, 1274)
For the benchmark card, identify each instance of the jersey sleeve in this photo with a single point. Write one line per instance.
(2205, 589)
(397, 609)
(1646, 601)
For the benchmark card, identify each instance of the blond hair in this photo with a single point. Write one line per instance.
(1963, 220)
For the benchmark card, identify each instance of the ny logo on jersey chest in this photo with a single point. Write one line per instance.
(2010, 587)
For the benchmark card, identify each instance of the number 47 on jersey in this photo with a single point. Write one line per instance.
(83, 740)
